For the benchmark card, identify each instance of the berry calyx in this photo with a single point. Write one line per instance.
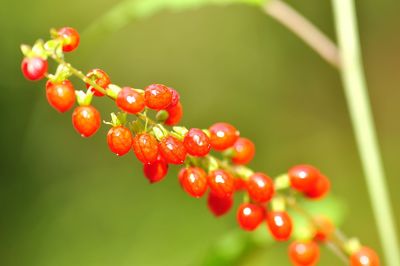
(260, 187)
(99, 77)
(243, 151)
(172, 150)
(157, 96)
(222, 136)
(130, 101)
(145, 147)
(70, 38)
(61, 96)
(34, 68)
(324, 228)
(303, 177)
(119, 140)
(222, 183)
(175, 114)
(280, 225)
(194, 181)
(155, 171)
(250, 216)
(219, 205)
(365, 256)
(86, 120)
(304, 253)
(196, 142)
(319, 189)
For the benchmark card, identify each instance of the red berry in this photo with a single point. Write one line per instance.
(364, 257)
(175, 114)
(280, 225)
(240, 184)
(222, 136)
(325, 228)
(221, 183)
(70, 38)
(156, 171)
(319, 189)
(86, 120)
(303, 253)
(302, 177)
(61, 96)
(250, 216)
(175, 98)
(196, 142)
(99, 77)
(145, 147)
(119, 140)
(157, 96)
(194, 181)
(260, 187)
(34, 68)
(172, 150)
(244, 151)
(130, 101)
(219, 205)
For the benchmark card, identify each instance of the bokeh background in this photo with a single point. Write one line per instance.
(68, 201)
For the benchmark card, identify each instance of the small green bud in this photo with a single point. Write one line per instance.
(161, 116)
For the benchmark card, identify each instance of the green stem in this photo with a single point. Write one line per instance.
(357, 98)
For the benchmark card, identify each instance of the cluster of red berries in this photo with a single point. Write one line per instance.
(156, 147)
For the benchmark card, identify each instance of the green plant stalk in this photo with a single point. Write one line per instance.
(361, 115)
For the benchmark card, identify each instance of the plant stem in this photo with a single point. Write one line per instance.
(357, 99)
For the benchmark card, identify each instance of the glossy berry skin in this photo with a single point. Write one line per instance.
(130, 101)
(196, 142)
(119, 140)
(156, 171)
(86, 120)
(194, 181)
(319, 189)
(222, 183)
(145, 147)
(250, 216)
(157, 96)
(304, 253)
(364, 257)
(243, 151)
(260, 187)
(325, 228)
(217, 205)
(61, 96)
(99, 77)
(70, 38)
(172, 150)
(280, 225)
(34, 68)
(303, 177)
(222, 136)
(175, 98)
(175, 114)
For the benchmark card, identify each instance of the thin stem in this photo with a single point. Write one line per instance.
(304, 29)
(361, 115)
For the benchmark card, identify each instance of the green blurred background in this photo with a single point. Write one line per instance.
(68, 201)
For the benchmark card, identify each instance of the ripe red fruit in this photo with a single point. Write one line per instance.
(70, 38)
(219, 205)
(34, 68)
(61, 96)
(194, 181)
(157, 96)
(364, 257)
(250, 216)
(86, 120)
(175, 98)
(221, 183)
(325, 228)
(303, 177)
(172, 150)
(119, 140)
(303, 253)
(145, 146)
(99, 77)
(196, 142)
(240, 184)
(156, 171)
(130, 101)
(260, 187)
(243, 151)
(280, 225)
(175, 114)
(319, 189)
(222, 136)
